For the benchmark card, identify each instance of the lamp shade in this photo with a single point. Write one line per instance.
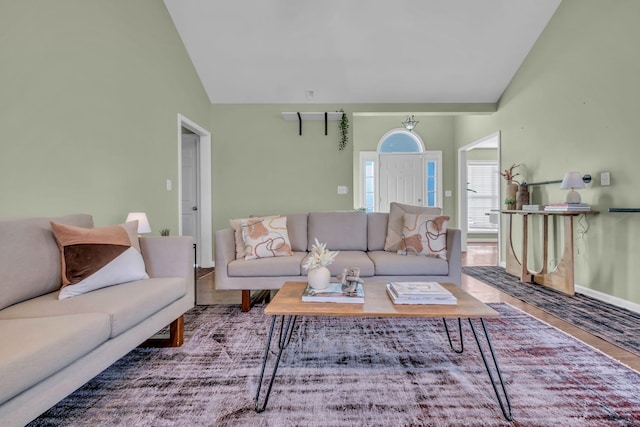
(143, 221)
(572, 180)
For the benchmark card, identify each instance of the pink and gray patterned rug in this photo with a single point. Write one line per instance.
(356, 372)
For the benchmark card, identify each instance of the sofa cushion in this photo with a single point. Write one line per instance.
(390, 264)
(265, 237)
(26, 242)
(341, 231)
(347, 259)
(127, 304)
(424, 235)
(34, 348)
(377, 224)
(396, 221)
(270, 267)
(98, 257)
(297, 227)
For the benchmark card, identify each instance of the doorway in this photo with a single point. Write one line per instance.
(490, 143)
(194, 198)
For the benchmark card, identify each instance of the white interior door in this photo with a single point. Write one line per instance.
(401, 180)
(190, 203)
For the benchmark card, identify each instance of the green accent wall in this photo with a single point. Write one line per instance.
(90, 93)
(573, 106)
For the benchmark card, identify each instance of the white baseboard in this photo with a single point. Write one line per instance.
(619, 302)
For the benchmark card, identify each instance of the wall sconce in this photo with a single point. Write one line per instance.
(409, 124)
(143, 221)
(571, 181)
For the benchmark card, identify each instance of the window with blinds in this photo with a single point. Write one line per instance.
(483, 194)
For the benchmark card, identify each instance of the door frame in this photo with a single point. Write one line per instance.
(463, 218)
(204, 188)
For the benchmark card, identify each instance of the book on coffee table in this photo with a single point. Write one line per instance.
(420, 293)
(333, 293)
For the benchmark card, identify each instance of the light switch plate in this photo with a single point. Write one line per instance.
(343, 189)
(169, 185)
(447, 193)
(605, 179)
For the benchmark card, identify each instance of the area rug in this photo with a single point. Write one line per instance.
(614, 324)
(356, 372)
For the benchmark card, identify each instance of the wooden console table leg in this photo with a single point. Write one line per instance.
(513, 264)
(525, 275)
(562, 278)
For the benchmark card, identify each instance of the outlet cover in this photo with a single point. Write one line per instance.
(343, 189)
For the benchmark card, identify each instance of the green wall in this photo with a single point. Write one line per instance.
(89, 97)
(574, 105)
(261, 166)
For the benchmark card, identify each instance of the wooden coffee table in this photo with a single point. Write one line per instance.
(287, 305)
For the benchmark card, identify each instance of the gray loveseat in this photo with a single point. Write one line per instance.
(51, 347)
(360, 238)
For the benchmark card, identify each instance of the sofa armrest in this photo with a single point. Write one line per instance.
(454, 254)
(170, 256)
(225, 250)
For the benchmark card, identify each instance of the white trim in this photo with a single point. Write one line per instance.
(619, 302)
(462, 187)
(206, 239)
(368, 156)
(482, 239)
(437, 156)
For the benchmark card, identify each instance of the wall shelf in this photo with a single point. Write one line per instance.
(624, 209)
(300, 116)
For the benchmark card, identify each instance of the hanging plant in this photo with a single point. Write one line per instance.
(343, 124)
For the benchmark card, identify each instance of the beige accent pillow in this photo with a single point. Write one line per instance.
(236, 224)
(424, 235)
(266, 237)
(396, 221)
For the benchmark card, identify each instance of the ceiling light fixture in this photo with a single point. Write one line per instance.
(410, 123)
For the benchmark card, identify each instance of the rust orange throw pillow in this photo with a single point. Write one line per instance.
(424, 235)
(94, 258)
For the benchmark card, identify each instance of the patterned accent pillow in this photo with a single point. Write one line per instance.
(424, 235)
(236, 224)
(94, 258)
(266, 237)
(396, 221)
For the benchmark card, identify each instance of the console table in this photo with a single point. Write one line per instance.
(562, 277)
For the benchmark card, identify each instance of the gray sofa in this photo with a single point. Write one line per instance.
(51, 347)
(360, 238)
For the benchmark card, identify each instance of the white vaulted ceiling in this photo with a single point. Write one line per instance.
(358, 51)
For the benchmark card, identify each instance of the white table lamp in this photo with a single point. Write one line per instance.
(143, 221)
(571, 181)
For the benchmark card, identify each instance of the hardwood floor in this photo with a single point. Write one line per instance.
(477, 254)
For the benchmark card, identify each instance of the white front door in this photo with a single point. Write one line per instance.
(190, 212)
(401, 180)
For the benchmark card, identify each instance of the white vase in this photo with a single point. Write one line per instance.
(319, 278)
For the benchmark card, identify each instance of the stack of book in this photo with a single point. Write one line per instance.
(567, 207)
(420, 293)
(532, 208)
(333, 293)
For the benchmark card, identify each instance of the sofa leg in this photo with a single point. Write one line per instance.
(249, 301)
(176, 336)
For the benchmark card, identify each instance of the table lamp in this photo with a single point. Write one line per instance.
(571, 181)
(143, 221)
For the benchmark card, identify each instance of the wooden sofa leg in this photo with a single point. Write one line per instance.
(176, 336)
(246, 300)
(249, 301)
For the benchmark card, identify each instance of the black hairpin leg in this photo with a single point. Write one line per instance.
(286, 330)
(446, 328)
(506, 411)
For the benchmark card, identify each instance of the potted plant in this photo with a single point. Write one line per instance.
(510, 202)
(343, 124)
(512, 184)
